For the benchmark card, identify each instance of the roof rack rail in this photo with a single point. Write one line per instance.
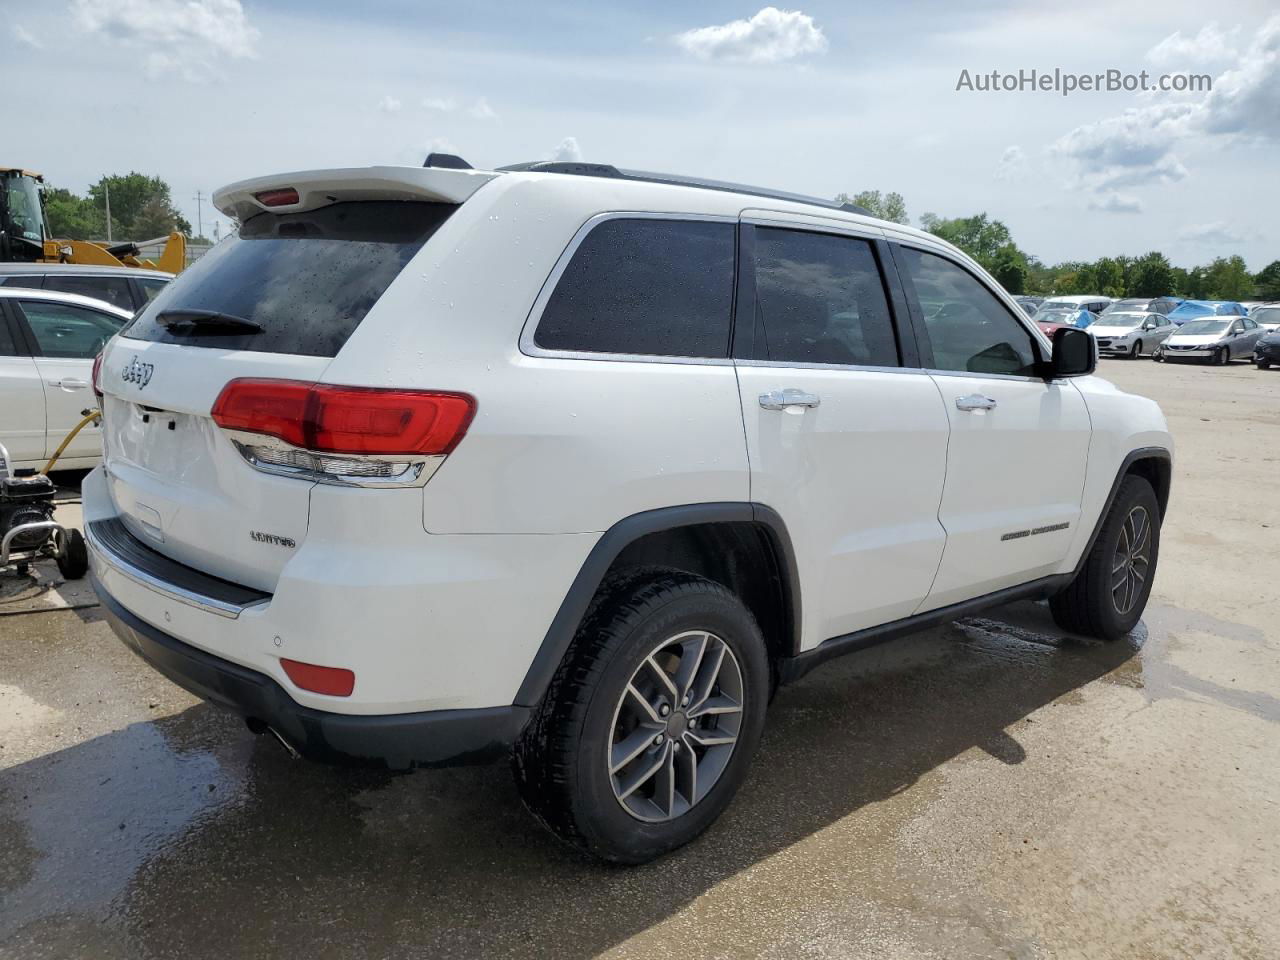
(575, 168)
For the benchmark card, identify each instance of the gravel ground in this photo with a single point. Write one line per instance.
(986, 789)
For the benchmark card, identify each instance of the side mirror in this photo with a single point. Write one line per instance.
(1075, 353)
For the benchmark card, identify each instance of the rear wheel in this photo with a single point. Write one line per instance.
(1108, 595)
(648, 727)
(74, 562)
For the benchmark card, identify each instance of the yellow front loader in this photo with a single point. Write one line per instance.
(24, 233)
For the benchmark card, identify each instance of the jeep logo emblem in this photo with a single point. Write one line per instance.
(136, 372)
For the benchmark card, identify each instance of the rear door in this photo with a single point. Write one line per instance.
(307, 279)
(67, 337)
(846, 442)
(1019, 444)
(22, 422)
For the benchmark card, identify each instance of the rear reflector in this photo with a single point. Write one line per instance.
(350, 420)
(333, 681)
(277, 198)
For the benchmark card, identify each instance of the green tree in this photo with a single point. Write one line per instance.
(1108, 274)
(1227, 278)
(130, 194)
(1267, 281)
(1197, 284)
(1150, 276)
(72, 217)
(979, 236)
(156, 219)
(1010, 268)
(890, 207)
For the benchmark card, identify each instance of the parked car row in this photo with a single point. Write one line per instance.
(54, 319)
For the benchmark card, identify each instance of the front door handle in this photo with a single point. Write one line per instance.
(975, 401)
(781, 399)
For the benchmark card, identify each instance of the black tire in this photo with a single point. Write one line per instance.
(1158, 355)
(1220, 357)
(1263, 364)
(74, 562)
(1137, 351)
(560, 762)
(1088, 605)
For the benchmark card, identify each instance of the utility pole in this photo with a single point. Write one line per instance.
(199, 214)
(106, 190)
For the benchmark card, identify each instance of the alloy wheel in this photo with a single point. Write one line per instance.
(1132, 560)
(675, 726)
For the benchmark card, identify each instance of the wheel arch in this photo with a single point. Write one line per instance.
(692, 525)
(1153, 464)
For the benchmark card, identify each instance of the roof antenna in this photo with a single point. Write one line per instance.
(447, 161)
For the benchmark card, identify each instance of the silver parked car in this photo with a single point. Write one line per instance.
(1130, 334)
(1217, 339)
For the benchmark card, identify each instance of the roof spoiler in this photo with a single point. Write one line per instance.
(320, 188)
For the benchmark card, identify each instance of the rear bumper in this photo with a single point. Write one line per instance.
(396, 741)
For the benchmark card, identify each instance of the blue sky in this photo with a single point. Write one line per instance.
(816, 98)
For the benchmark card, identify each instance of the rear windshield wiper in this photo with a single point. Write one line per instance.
(207, 321)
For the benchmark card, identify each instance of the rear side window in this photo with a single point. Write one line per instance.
(307, 278)
(150, 287)
(820, 299)
(969, 329)
(66, 331)
(645, 286)
(114, 290)
(31, 283)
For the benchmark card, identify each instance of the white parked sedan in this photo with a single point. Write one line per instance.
(1130, 333)
(1217, 339)
(47, 344)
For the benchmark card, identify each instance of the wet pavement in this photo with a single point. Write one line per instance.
(990, 788)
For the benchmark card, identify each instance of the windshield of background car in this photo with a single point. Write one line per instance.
(1205, 326)
(1122, 305)
(1266, 315)
(1059, 305)
(1120, 319)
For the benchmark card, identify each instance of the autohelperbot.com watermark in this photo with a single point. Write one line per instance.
(1065, 82)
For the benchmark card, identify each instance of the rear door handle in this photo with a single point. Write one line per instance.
(781, 399)
(975, 401)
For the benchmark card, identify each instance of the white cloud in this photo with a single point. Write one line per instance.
(183, 36)
(442, 104)
(567, 150)
(1210, 234)
(770, 36)
(26, 38)
(1210, 45)
(481, 110)
(389, 104)
(1137, 147)
(1117, 203)
(1013, 164)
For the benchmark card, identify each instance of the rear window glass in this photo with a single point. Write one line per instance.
(307, 278)
(653, 287)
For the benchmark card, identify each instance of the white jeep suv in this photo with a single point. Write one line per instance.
(577, 465)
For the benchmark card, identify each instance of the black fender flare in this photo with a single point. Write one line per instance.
(617, 538)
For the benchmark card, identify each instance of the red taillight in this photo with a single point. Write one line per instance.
(97, 375)
(353, 420)
(277, 198)
(334, 681)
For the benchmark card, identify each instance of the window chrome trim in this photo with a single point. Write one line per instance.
(530, 349)
(837, 367)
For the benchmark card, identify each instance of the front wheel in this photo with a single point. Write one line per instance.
(1137, 351)
(647, 730)
(1109, 593)
(1158, 355)
(1263, 364)
(1220, 357)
